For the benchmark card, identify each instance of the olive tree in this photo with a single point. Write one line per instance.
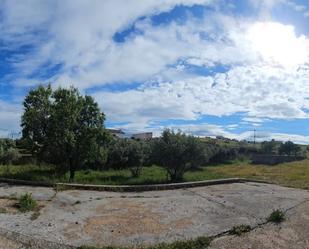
(128, 154)
(177, 153)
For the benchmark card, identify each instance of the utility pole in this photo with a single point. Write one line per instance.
(254, 135)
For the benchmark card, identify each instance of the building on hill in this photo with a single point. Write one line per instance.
(117, 133)
(142, 136)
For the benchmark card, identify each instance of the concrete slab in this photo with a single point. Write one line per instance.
(107, 218)
(290, 234)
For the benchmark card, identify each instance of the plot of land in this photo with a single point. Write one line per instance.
(293, 174)
(105, 218)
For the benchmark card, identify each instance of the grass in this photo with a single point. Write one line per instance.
(293, 174)
(198, 243)
(239, 230)
(26, 203)
(276, 216)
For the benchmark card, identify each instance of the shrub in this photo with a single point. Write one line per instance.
(276, 216)
(26, 203)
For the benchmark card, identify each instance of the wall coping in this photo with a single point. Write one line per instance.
(130, 188)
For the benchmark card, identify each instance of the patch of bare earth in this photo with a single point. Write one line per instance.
(8, 206)
(293, 233)
(132, 219)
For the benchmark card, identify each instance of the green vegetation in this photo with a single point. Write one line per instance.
(128, 153)
(178, 153)
(198, 243)
(293, 174)
(8, 152)
(239, 230)
(64, 140)
(276, 216)
(64, 128)
(26, 203)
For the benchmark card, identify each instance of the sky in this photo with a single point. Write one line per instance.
(206, 67)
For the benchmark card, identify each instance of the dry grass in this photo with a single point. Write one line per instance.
(293, 174)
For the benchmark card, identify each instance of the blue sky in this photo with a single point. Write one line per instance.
(207, 67)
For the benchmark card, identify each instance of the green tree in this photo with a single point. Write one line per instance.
(8, 151)
(289, 148)
(35, 120)
(178, 153)
(65, 128)
(268, 146)
(128, 154)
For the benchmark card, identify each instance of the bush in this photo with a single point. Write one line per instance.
(26, 203)
(276, 216)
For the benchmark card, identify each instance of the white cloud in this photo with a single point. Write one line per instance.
(261, 92)
(78, 35)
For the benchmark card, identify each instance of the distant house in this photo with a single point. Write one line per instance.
(117, 133)
(142, 136)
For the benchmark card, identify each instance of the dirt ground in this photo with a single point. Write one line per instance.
(73, 218)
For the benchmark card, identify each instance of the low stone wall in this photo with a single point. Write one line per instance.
(128, 188)
(26, 183)
(154, 187)
(274, 159)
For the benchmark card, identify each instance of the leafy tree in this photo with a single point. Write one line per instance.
(10, 156)
(289, 148)
(8, 152)
(35, 120)
(268, 146)
(178, 153)
(127, 153)
(64, 128)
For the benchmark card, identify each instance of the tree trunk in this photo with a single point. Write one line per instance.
(72, 170)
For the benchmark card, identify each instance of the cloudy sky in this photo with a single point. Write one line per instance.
(207, 67)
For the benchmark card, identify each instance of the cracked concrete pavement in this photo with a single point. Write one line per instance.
(76, 217)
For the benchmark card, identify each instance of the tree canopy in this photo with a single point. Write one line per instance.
(177, 153)
(64, 127)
